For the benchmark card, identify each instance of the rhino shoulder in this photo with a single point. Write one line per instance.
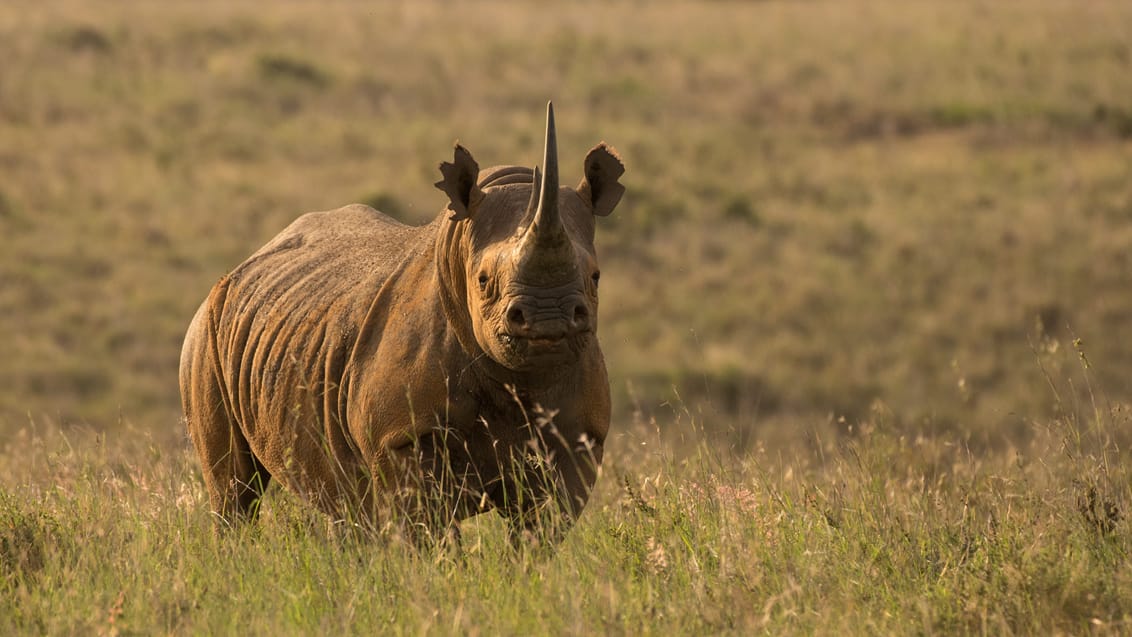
(356, 227)
(330, 252)
(349, 220)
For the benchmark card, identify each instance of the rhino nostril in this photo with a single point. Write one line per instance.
(516, 317)
(581, 315)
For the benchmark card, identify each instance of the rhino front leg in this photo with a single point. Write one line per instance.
(536, 517)
(545, 493)
(437, 487)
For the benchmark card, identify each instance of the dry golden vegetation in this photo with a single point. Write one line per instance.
(867, 305)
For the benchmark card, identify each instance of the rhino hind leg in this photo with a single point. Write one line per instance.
(234, 477)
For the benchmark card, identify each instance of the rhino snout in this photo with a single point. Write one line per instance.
(554, 320)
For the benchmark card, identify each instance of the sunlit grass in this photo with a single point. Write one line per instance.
(853, 528)
(872, 197)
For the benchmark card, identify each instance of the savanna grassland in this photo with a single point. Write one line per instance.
(867, 307)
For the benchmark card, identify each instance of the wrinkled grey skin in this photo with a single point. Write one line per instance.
(371, 366)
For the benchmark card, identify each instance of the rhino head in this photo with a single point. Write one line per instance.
(530, 276)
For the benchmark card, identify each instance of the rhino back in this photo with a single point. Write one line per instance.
(286, 322)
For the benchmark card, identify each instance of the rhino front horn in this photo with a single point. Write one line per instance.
(546, 227)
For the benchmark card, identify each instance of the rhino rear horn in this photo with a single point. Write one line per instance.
(536, 179)
(459, 182)
(600, 187)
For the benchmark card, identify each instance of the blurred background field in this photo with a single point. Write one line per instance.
(833, 208)
(867, 306)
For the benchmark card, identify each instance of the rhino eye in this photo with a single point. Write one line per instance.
(483, 281)
(596, 276)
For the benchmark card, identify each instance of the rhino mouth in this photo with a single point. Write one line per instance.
(543, 350)
(542, 341)
(517, 342)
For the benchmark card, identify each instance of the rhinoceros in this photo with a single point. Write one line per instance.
(436, 372)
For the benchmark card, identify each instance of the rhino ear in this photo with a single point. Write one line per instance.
(600, 186)
(459, 182)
